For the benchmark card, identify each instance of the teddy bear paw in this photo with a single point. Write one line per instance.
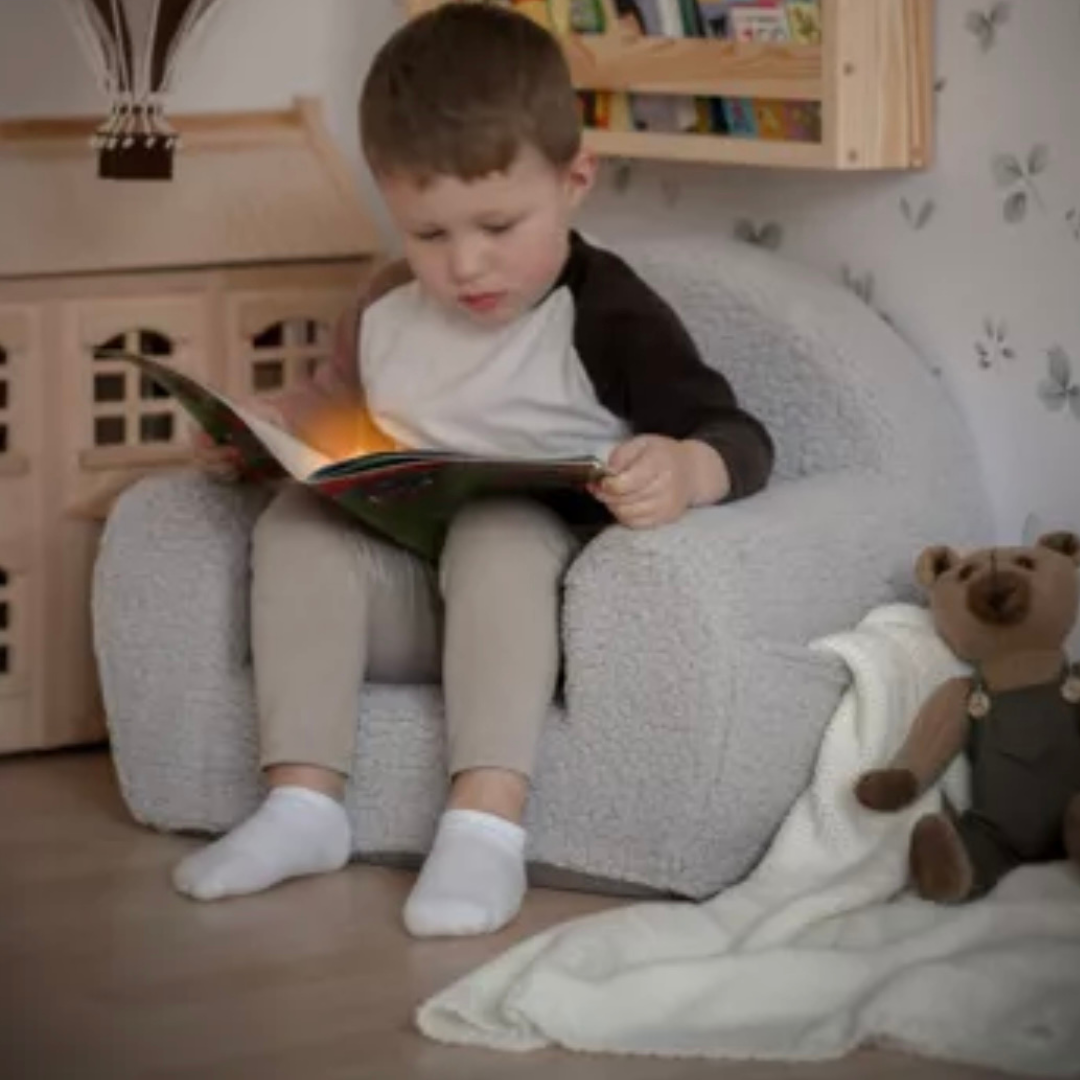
(939, 863)
(887, 789)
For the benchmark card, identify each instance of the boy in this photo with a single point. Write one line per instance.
(504, 333)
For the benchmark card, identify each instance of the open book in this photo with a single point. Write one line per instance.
(407, 496)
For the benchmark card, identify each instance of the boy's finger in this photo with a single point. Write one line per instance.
(625, 454)
(637, 476)
(652, 488)
(640, 516)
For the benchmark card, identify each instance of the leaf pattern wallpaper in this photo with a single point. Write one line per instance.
(975, 261)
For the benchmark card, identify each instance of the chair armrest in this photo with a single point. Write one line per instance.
(171, 578)
(171, 627)
(687, 663)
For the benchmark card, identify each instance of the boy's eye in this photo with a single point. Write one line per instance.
(429, 237)
(497, 228)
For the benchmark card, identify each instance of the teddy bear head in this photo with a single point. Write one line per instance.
(998, 601)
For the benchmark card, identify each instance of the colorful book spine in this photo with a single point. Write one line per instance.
(804, 21)
(767, 21)
(756, 22)
(605, 110)
(773, 21)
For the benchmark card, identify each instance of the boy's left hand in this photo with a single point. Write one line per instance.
(655, 480)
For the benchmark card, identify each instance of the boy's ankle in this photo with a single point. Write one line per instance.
(314, 777)
(500, 792)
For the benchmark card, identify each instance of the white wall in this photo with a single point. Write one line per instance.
(939, 284)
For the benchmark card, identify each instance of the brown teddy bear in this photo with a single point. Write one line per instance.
(1007, 612)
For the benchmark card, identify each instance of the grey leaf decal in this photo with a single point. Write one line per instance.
(745, 231)
(999, 13)
(862, 287)
(1052, 395)
(905, 209)
(940, 84)
(1016, 207)
(925, 214)
(769, 236)
(1007, 170)
(995, 346)
(772, 236)
(1060, 366)
(981, 27)
(623, 174)
(1059, 388)
(1038, 159)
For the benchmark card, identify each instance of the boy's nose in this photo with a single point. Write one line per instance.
(466, 262)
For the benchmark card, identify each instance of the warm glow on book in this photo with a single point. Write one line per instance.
(343, 432)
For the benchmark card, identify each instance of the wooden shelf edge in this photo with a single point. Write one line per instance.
(708, 149)
(103, 459)
(695, 66)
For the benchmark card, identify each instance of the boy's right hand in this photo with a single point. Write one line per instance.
(223, 462)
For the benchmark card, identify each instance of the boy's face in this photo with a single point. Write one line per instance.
(490, 248)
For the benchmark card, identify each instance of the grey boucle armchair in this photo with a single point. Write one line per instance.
(693, 706)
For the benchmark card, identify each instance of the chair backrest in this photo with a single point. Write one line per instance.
(836, 385)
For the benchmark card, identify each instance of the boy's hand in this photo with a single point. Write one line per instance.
(223, 462)
(656, 480)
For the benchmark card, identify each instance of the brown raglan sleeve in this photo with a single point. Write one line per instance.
(647, 369)
(334, 387)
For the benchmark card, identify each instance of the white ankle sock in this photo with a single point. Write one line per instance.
(473, 881)
(296, 831)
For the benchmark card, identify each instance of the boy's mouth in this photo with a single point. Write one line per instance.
(481, 303)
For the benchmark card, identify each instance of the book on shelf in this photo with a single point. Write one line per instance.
(804, 21)
(767, 21)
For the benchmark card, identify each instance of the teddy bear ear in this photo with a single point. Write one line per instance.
(934, 562)
(1064, 543)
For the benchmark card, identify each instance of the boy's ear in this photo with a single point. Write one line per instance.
(580, 176)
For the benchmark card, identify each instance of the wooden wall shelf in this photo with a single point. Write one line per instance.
(873, 76)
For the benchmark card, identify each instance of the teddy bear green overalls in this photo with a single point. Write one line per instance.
(1025, 770)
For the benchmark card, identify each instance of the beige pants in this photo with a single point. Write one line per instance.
(332, 606)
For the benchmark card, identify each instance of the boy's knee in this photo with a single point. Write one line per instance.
(292, 515)
(513, 533)
(297, 531)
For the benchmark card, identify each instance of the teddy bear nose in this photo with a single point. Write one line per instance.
(1000, 599)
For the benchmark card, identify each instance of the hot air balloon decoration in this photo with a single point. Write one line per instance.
(134, 47)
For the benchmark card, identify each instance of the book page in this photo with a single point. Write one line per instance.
(297, 458)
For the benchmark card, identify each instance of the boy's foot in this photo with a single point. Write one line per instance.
(473, 881)
(295, 832)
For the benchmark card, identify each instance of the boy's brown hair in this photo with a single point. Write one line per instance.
(461, 89)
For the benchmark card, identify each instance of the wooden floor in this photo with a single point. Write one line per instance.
(105, 972)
